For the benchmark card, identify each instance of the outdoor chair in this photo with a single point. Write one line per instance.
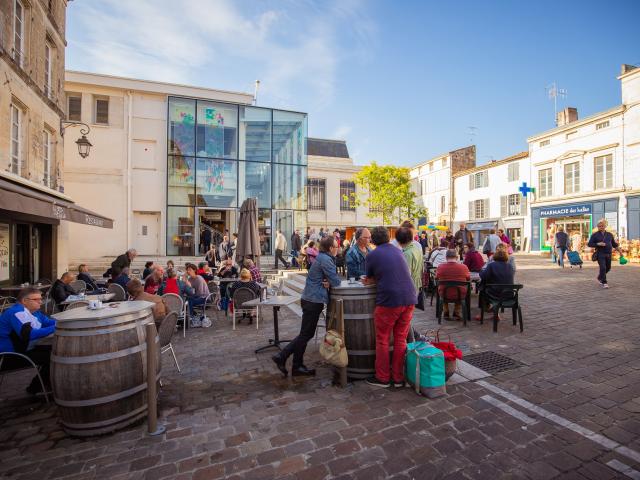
(166, 331)
(452, 286)
(120, 294)
(431, 286)
(6, 302)
(501, 296)
(213, 286)
(175, 303)
(29, 365)
(240, 296)
(48, 306)
(79, 286)
(208, 302)
(78, 304)
(45, 281)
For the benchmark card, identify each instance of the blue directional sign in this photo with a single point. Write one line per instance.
(524, 189)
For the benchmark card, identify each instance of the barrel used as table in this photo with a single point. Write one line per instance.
(358, 302)
(99, 367)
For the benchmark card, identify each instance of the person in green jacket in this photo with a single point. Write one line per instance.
(412, 255)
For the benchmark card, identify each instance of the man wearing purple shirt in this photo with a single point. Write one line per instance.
(395, 299)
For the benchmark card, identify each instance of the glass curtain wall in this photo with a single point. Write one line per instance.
(220, 154)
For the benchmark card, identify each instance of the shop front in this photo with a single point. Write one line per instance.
(480, 230)
(577, 220)
(514, 230)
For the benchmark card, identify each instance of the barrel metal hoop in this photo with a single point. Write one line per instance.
(104, 322)
(99, 431)
(98, 358)
(89, 332)
(104, 423)
(361, 352)
(358, 316)
(102, 400)
(356, 297)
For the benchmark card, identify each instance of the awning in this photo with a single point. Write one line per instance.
(482, 225)
(19, 198)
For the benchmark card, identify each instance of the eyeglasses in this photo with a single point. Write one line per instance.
(36, 299)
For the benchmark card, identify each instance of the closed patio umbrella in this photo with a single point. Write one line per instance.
(248, 236)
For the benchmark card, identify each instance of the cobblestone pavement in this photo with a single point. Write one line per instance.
(230, 415)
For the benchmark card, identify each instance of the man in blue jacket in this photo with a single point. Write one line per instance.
(315, 295)
(20, 326)
(604, 244)
(357, 253)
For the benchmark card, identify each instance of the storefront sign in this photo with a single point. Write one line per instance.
(482, 225)
(566, 210)
(4, 252)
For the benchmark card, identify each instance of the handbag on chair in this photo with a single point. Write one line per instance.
(333, 350)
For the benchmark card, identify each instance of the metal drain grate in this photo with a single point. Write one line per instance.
(491, 362)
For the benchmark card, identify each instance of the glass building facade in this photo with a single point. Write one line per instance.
(218, 155)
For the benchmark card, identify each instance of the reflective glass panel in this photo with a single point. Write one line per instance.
(264, 229)
(289, 137)
(182, 121)
(180, 231)
(289, 187)
(216, 183)
(254, 180)
(217, 130)
(181, 180)
(255, 134)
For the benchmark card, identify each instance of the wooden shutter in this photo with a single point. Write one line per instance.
(523, 205)
(486, 211)
(486, 178)
(472, 181)
(472, 211)
(504, 206)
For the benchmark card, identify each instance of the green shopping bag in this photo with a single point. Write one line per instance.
(623, 260)
(425, 370)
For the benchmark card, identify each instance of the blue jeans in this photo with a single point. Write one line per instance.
(194, 302)
(561, 252)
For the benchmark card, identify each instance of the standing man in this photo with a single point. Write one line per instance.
(490, 243)
(123, 261)
(20, 325)
(424, 242)
(604, 243)
(315, 295)
(561, 243)
(224, 250)
(206, 238)
(462, 237)
(296, 245)
(281, 247)
(355, 257)
(395, 300)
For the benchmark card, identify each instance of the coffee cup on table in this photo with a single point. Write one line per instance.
(93, 304)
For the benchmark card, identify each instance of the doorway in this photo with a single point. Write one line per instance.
(515, 235)
(147, 236)
(284, 223)
(212, 225)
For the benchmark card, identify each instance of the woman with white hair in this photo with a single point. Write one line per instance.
(604, 244)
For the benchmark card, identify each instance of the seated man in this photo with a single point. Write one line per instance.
(204, 270)
(199, 286)
(226, 270)
(154, 280)
(173, 284)
(453, 271)
(472, 258)
(61, 288)
(83, 274)
(123, 278)
(438, 256)
(20, 325)
(256, 276)
(134, 287)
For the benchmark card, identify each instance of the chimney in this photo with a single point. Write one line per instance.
(568, 115)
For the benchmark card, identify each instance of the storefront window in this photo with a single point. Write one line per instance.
(255, 134)
(181, 180)
(217, 130)
(264, 230)
(180, 231)
(289, 137)
(254, 180)
(216, 183)
(182, 121)
(289, 182)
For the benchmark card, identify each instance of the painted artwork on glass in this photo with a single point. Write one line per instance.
(182, 127)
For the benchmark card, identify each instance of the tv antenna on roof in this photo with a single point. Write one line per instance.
(554, 92)
(472, 132)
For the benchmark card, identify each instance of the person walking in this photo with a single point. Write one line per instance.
(296, 245)
(506, 240)
(462, 237)
(357, 253)
(281, 247)
(315, 295)
(424, 242)
(604, 243)
(395, 301)
(490, 243)
(561, 244)
(206, 238)
(224, 249)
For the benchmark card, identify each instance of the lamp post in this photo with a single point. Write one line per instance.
(83, 143)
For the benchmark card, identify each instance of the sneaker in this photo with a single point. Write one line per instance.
(605, 285)
(195, 322)
(377, 383)
(206, 323)
(402, 384)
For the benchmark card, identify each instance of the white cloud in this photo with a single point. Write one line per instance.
(341, 132)
(291, 51)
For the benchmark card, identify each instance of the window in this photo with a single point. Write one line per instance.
(443, 204)
(74, 107)
(545, 183)
(479, 180)
(544, 143)
(16, 141)
(512, 205)
(571, 135)
(572, 178)
(601, 125)
(603, 172)
(347, 195)
(316, 193)
(444, 162)
(431, 167)
(48, 91)
(514, 172)
(18, 36)
(375, 209)
(478, 209)
(102, 111)
(46, 158)
(217, 130)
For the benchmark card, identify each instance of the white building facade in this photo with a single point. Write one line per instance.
(588, 169)
(488, 197)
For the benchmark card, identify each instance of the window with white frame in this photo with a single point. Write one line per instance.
(512, 205)
(15, 163)
(478, 209)
(514, 172)
(601, 125)
(479, 180)
(544, 143)
(572, 178)
(74, 107)
(545, 183)
(347, 195)
(101, 109)
(18, 32)
(316, 193)
(603, 172)
(443, 204)
(46, 157)
(48, 91)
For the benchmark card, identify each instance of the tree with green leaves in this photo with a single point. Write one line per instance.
(389, 193)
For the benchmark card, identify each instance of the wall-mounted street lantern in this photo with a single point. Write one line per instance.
(83, 143)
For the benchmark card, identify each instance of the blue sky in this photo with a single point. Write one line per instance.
(401, 81)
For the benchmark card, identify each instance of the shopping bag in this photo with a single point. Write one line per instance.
(623, 260)
(424, 369)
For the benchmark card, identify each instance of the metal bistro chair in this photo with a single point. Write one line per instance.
(78, 304)
(241, 295)
(79, 286)
(166, 331)
(501, 296)
(30, 364)
(465, 300)
(175, 303)
(120, 294)
(208, 302)
(6, 302)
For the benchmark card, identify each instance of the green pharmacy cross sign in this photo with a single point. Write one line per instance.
(524, 189)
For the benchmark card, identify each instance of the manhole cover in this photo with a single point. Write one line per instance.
(491, 362)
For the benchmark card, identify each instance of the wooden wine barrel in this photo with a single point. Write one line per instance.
(99, 367)
(359, 302)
